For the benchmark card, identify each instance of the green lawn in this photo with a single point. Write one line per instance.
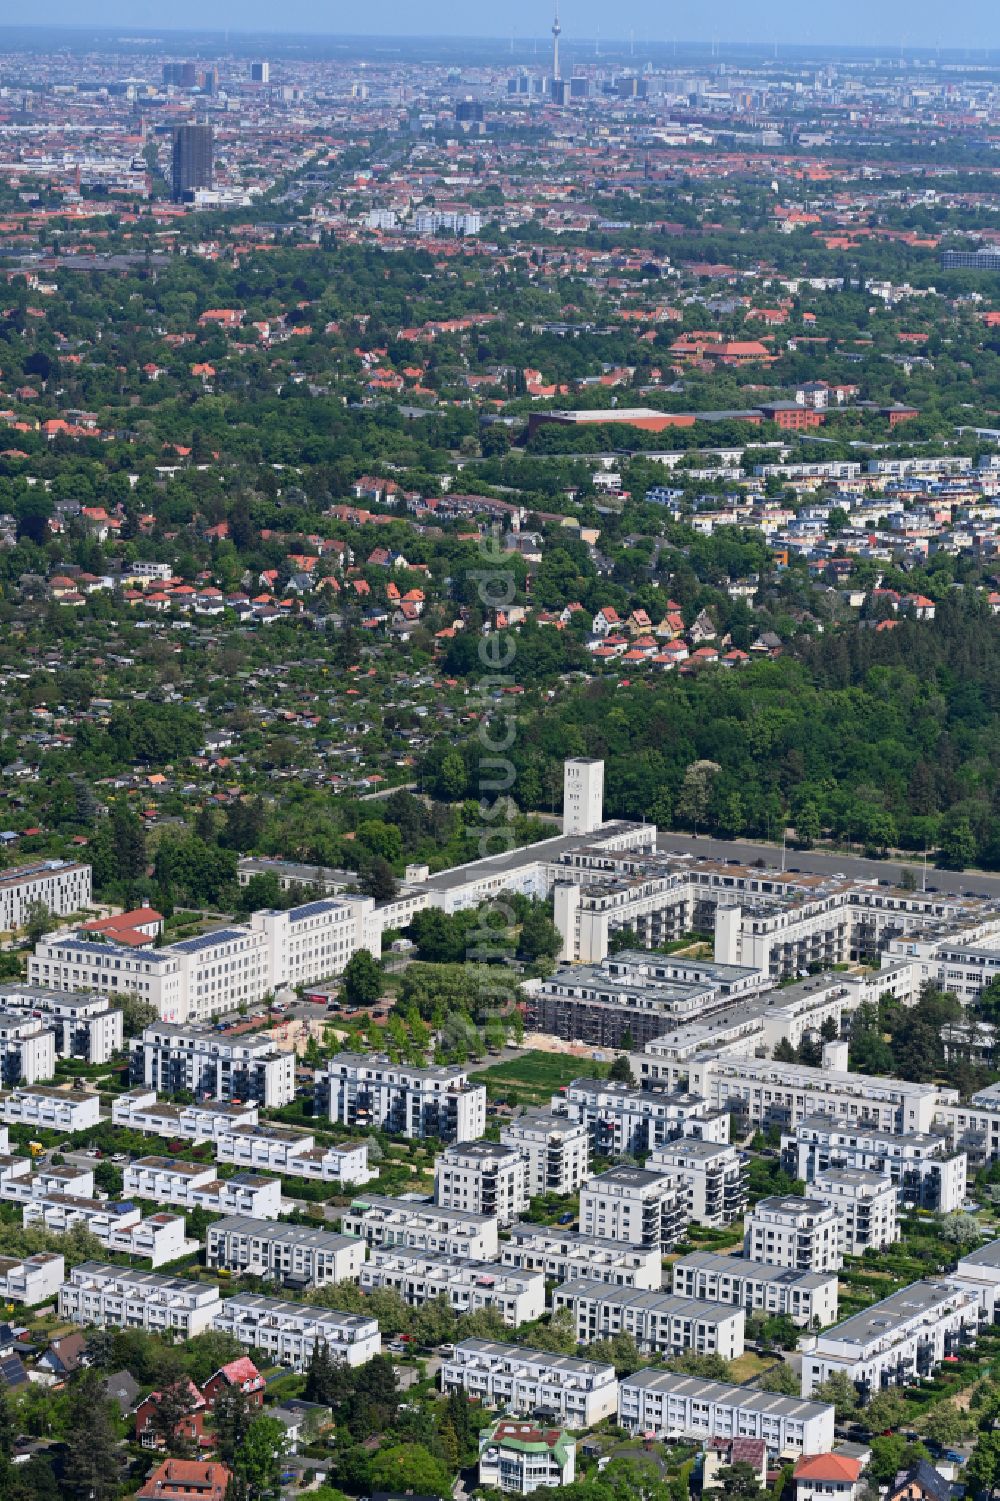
(533, 1077)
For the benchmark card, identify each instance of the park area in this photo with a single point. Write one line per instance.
(533, 1078)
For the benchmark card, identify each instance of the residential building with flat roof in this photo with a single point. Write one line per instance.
(563, 1255)
(300, 1256)
(631, 1205)
(416, 1225)
(483, 1177)
(56, 1109)
(903, 1338)
(363, 1089)
(419, 1276)
(289, 1332)
(112, 1297)
(714, 1176)
(865, 1203)
(246, 1068)
(807, 1298)
(925, 1169)
(686, 1407)
(660, 1323)
(801, 1233)
(557, 1152)
(529, 1382)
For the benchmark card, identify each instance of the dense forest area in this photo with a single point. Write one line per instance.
(885, 738)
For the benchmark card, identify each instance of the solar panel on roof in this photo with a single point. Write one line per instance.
(208, 940)
(311, 909)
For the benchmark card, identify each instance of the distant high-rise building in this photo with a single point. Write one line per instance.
(181, 75)
(469, 115)
(579, 88)
(192, 160)
(260, 72)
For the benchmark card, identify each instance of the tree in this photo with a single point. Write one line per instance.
(696, 788)
(137, 1014)
(712, 1367)
(945, 1425)
(410, 1467)
(378, 879)
(838, 1389)
(780, 1378)
(174, 1407)
(784, 1052)
(91, 1469)
(961, 1230)
(233, 1413)
(362, 980)
(885, 1410)
(737, 1482)
(983, 1470)
(38, 921)
(958, 844)
(258, 1459)
(540, 938)
(621, 1070)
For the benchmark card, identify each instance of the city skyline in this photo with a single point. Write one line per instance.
(896, 24)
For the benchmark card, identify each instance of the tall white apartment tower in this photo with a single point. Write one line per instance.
(583, 796)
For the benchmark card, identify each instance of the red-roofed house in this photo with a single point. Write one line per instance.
(185, 1479)
(722, 1453)
(190, 1427)
(241, 1374)
(820, 1477)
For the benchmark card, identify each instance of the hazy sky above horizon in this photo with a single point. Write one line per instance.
(887, 23)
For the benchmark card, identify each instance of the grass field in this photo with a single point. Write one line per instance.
(533, 1077)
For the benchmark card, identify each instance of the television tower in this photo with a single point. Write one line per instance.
(556, 34)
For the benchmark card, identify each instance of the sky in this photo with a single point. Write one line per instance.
(884, 23)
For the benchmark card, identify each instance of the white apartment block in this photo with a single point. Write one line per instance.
(557, 1152)
(297, 1255)
(468, 1286)
(189, 1185)
(415, 1225)
(111, 1297)
(55, 1109)
(622, 1120)
(482, 1177)
(865, 1204)
(576, 1392)
(359, 1089)
(563, 1255)
(27, 1050)
(288, 1332)
(62, 885)
(926, 1172)
(121, 1229)
(686, 1407)
(203, 977)
(979, 1270)
(809, 1299)
(713, 1174)
(140, 1109)
(900, 1340)
(210, 1066)
(31, 1279)
(631, 1205)
(765, 1091)
(803, 1234)
(84, 1026)
(281, 1149)
(660, 1323)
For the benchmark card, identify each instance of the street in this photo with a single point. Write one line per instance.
(826, 862)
